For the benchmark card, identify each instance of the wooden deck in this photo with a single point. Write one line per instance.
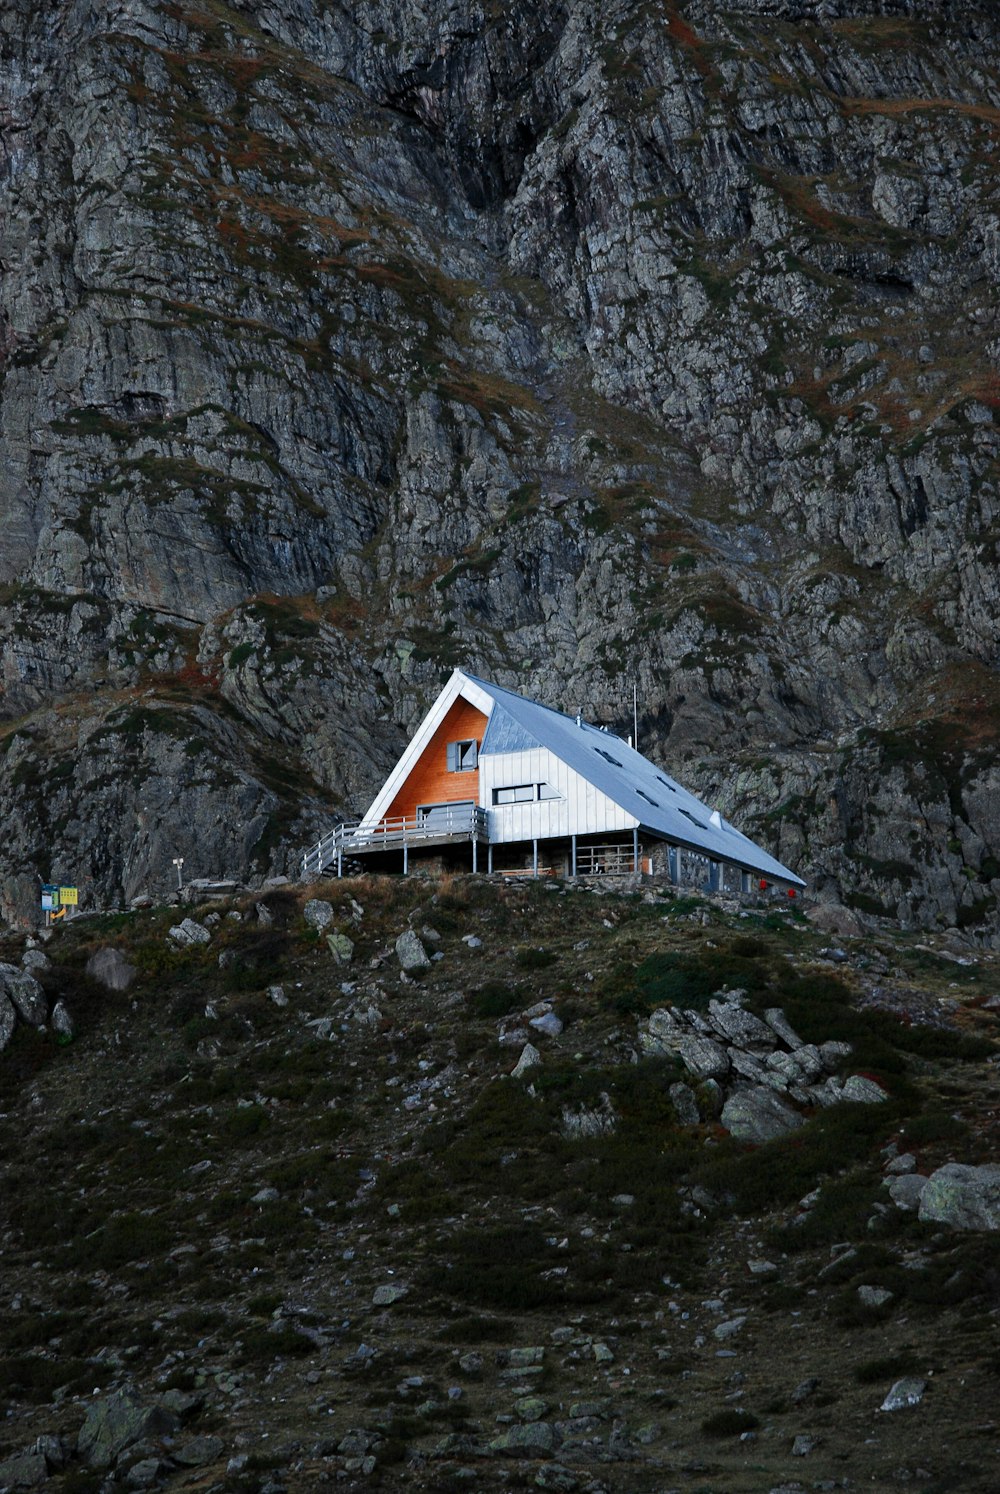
(409, 832)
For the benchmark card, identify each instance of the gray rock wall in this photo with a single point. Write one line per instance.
(575, 343)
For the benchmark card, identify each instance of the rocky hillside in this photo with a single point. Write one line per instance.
(576, 343)
(415, 1186)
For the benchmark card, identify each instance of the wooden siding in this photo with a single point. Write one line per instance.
(429, 781)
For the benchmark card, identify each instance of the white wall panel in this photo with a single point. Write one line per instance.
(582, 809)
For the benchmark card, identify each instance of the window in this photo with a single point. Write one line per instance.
(525, 793)
(700, 823)
(463, 757)
(520, 793)
(661, 779)
(607, 757)
(648, 800)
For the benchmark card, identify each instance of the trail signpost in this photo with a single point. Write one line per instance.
(56, 899)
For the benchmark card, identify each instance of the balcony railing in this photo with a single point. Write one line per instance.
(440, 825)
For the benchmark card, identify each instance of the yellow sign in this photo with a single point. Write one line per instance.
(68, 897)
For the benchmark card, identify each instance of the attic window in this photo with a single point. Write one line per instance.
(463, 757)
(647, 799)
(660, 779)
(700, 823)
(607, 757)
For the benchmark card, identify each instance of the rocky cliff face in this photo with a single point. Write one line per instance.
(578, 343)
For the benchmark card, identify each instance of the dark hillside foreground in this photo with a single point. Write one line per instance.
(280, 1216)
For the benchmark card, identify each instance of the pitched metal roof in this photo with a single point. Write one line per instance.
(659, 803)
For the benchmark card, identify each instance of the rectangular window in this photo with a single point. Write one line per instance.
(463, 757)
(520, 793)
(525, 793)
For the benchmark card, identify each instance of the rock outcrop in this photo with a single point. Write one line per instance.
(340, 344)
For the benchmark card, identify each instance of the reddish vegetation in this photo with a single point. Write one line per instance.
(681, 30)
(896, 107)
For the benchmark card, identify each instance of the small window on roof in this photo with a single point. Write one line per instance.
(647, 798)
(688, 816)
(660, 779)
(463, 757)
(607, 757)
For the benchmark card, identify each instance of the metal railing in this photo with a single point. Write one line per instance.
(458, 822)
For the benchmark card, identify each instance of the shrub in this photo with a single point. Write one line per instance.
(729, 1423)
(528, 958)
(493, 999)
(889, 1367)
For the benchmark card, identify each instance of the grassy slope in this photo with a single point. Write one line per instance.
(133, 1250)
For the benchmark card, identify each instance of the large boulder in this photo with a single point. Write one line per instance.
(110, 969)
(115, 1423)
(24, 1471)
(963, 1197)
(189, 932)
(907, 1191)
(704, 1057)
(411, 953)
(737, 1026)
(318, 914)
(757, 1114)
(26, 994)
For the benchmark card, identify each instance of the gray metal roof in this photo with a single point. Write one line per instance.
(660, 804)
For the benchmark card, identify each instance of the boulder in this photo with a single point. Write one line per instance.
(189, 932)
(411, 953)
(907, 1191)
(113, 1424)
(749, 1066)
(390, 1292)
(318, 914)
(35, 959)
(530, 1058)
(870, 1296)
(738, 1026)
(199, 1451)
(781, 1027)
(810, 1064)
(24, 1471)
(663, 1024)
(682, 1097)
(863, 1091)
(341, 948)
(8, 1021)
(548, 1023)
(703, 1057)
(27, 996)
(834, 918)
(757, 1114)
(111, 969)
(62, 1023)
(908, 1392)
(962, 1197)
(833, 1054)
(533, 1440)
